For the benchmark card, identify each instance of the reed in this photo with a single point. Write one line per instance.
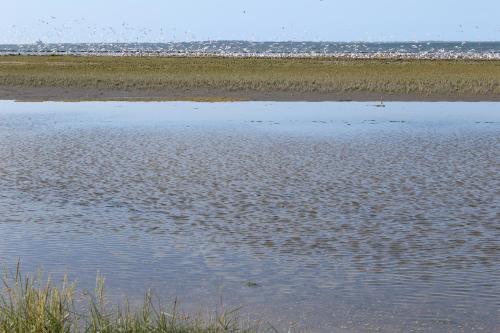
(34, 305)
(236, 77)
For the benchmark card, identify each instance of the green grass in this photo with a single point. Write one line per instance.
(424, 78)
(252, 284)
(32, 305)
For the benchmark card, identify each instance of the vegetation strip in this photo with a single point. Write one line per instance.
(32, 305)
(219, 78)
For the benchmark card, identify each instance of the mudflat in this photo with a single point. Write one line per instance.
(86, 78)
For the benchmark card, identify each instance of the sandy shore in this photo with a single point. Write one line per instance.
(70, 94)
(70, 78)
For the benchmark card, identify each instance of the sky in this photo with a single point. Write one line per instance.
(27, 21)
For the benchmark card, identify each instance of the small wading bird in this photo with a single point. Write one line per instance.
(381, 105)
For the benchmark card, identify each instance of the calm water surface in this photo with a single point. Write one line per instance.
(350, 218)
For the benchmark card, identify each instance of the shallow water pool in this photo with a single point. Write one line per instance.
(347, 216)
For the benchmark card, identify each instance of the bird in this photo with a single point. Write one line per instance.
(381, 105)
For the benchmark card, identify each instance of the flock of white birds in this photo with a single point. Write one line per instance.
(129, 40)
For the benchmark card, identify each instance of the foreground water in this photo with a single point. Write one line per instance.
(348, 217)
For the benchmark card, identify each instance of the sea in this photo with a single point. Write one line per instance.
(415, 49)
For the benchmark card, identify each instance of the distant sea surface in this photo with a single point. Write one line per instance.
(419, 50)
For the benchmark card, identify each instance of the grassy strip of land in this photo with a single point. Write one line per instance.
(219, 78)
(32, 305)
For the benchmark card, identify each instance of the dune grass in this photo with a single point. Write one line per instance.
(33, 305)
(425, 78)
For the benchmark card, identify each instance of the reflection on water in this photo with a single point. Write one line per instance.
(347, 216)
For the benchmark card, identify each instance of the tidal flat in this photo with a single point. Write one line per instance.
(316, 217)
(86, 78)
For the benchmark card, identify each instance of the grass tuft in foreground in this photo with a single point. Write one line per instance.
(34, 305)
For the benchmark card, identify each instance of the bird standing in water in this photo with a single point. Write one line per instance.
(381, 105)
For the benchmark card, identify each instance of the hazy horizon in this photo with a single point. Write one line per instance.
(273, 41)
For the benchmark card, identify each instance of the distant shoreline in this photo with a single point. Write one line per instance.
(236, 55)
(423, 50)
(105, 78)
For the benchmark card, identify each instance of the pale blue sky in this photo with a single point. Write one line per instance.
(25, 21)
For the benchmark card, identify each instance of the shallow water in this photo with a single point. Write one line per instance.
(349, 217)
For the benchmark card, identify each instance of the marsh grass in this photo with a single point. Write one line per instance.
(34, 305)
(318, 75)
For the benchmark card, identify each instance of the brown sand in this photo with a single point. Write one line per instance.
(31, 94)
